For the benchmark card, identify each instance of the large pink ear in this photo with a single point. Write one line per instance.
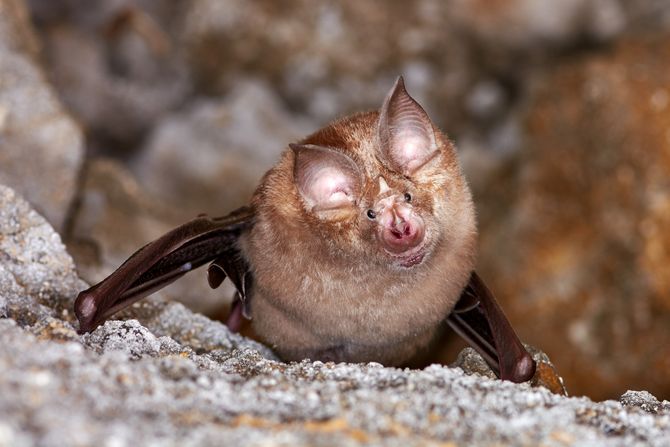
(327, 179)
(406, 136)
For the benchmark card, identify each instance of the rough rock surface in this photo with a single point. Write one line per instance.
(122, 65)
(586, 271)
(116, 67)
(122, 385)
(41, 147)
(180, 379)
(210, 158)
(37, 276)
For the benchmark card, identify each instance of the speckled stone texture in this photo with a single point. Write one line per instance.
(171, 377)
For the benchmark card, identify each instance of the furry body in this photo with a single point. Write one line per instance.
(325, 289)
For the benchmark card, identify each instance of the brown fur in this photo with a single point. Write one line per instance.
(325, 289)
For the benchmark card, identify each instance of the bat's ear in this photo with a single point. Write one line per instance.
(327, 179)
(406, 135)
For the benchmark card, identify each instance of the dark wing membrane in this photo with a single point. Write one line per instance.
(478, 319)
(164, 260)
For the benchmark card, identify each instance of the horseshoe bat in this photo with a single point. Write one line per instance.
(357, 246)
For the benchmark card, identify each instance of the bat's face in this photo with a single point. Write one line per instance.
(399, 228)
(385, 187)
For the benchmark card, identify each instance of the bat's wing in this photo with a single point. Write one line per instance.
(166, 259)
(481, 322)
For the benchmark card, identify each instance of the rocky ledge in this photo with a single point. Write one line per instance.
(167, 376)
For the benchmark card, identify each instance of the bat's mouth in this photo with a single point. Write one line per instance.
(412, 260)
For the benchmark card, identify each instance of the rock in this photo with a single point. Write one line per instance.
(447, 51)
(121, 384)
(210, 158)
(41, 147)
(32, 252)
(15, 32)
(114, 64)
(116, 217)
(647, 16)
(153, 57)
(172, 377)
(645, 401)
(37, 276)
(546, 375)
(581, 216)
(346, 66)
(539, 25)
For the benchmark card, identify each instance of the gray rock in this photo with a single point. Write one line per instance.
(41, 147)
(123, 385)
(15, 33)
(539, 25)
(115, 65)
(645, 401)
(210, 157)
(37, 275)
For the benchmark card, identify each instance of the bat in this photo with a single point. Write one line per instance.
(358, 245)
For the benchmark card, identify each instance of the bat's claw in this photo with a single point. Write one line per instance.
(524, 370)
(86, 309)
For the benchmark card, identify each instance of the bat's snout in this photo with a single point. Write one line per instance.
(401, 230)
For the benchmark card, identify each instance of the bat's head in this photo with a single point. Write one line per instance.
(386, 185)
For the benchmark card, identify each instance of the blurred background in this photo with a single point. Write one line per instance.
(120, 119)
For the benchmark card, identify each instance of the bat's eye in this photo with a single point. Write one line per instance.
(408, 197)
(372, 214)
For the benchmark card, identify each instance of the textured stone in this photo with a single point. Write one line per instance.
(115, 64)
(582, 219)
(538, 25)
(210, 158)
(37, 276)
(644, 400)
(121, 384)
(41, 147)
